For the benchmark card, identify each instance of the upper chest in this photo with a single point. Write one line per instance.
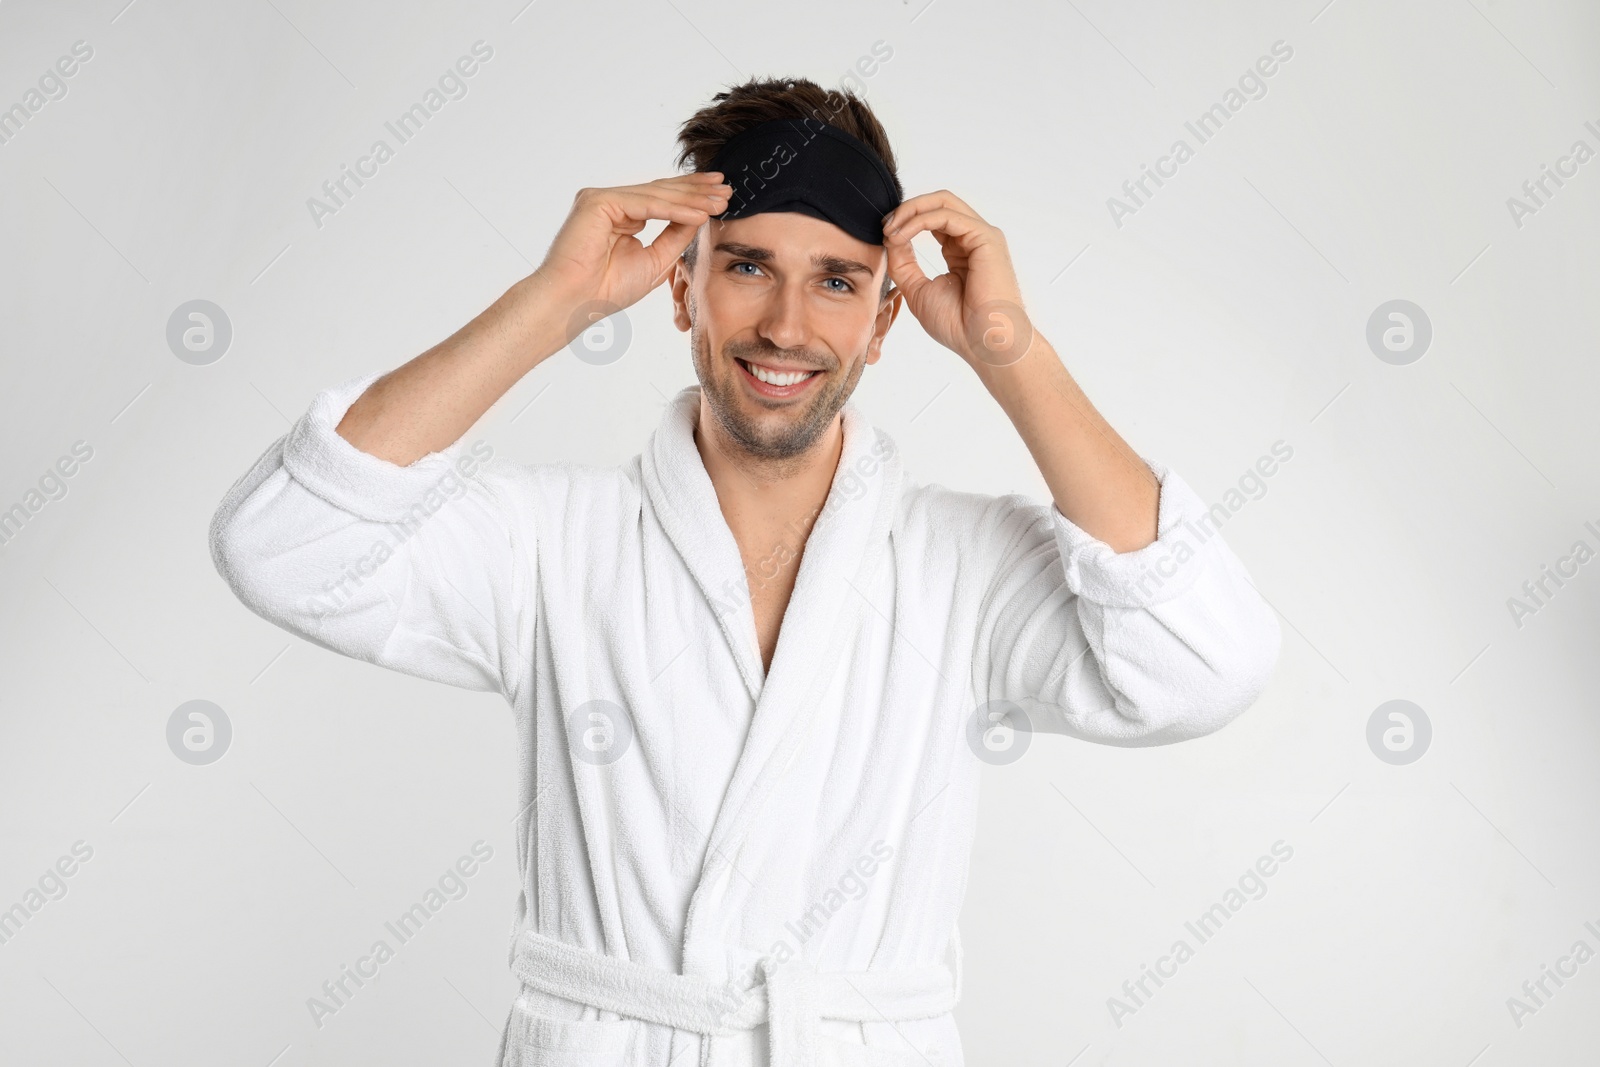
(630, 577)
(771, 553)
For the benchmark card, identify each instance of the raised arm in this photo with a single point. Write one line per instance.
(975, 310)
(595, 261)
(372, 529)
(1114, 616)
(1161, 644)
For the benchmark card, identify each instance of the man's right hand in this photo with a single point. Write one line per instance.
(595, 255)
(430, 402)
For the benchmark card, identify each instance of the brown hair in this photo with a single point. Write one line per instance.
(760, 100)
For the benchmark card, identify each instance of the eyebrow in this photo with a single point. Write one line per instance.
(821, 261)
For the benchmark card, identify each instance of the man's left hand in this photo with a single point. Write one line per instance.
(975, 309)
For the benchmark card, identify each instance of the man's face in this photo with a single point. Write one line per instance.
(783, 315)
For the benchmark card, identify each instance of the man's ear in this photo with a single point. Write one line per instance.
(888, 311)
(681, 273)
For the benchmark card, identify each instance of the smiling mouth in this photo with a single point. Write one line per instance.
(775, 382)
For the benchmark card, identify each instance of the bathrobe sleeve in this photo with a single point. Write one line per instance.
(415, 568)
(1167, 642)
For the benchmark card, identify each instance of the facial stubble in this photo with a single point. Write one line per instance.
(792, 439)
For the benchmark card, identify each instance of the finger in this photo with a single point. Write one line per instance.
(943, 198)
(634, 199)
(904, 270)
(695, 180)
(957, 257)
(641, 207)
(668, 246)
(960, 237)
(948, 221)
(697, 195)
(688, 191)
(950, 245)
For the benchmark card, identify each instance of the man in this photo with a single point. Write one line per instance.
(755, 671)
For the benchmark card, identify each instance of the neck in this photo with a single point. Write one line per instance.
(757, 491)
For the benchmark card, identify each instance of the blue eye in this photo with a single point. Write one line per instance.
(848, 288)
(743, 263)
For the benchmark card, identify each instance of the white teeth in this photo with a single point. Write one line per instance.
(774, 378)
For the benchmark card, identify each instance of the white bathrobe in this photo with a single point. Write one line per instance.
(722, 865)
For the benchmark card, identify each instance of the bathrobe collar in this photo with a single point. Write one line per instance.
(847, 546)
(852, 526)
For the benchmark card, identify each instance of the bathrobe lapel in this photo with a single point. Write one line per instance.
(847, 545)
(684, 501)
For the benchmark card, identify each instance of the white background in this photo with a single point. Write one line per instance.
(1228, 313)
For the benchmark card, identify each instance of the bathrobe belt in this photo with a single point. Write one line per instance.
(791, 998)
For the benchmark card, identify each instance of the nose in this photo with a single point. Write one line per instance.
(785, 324)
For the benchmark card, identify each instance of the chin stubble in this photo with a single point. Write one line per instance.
(789, 442)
